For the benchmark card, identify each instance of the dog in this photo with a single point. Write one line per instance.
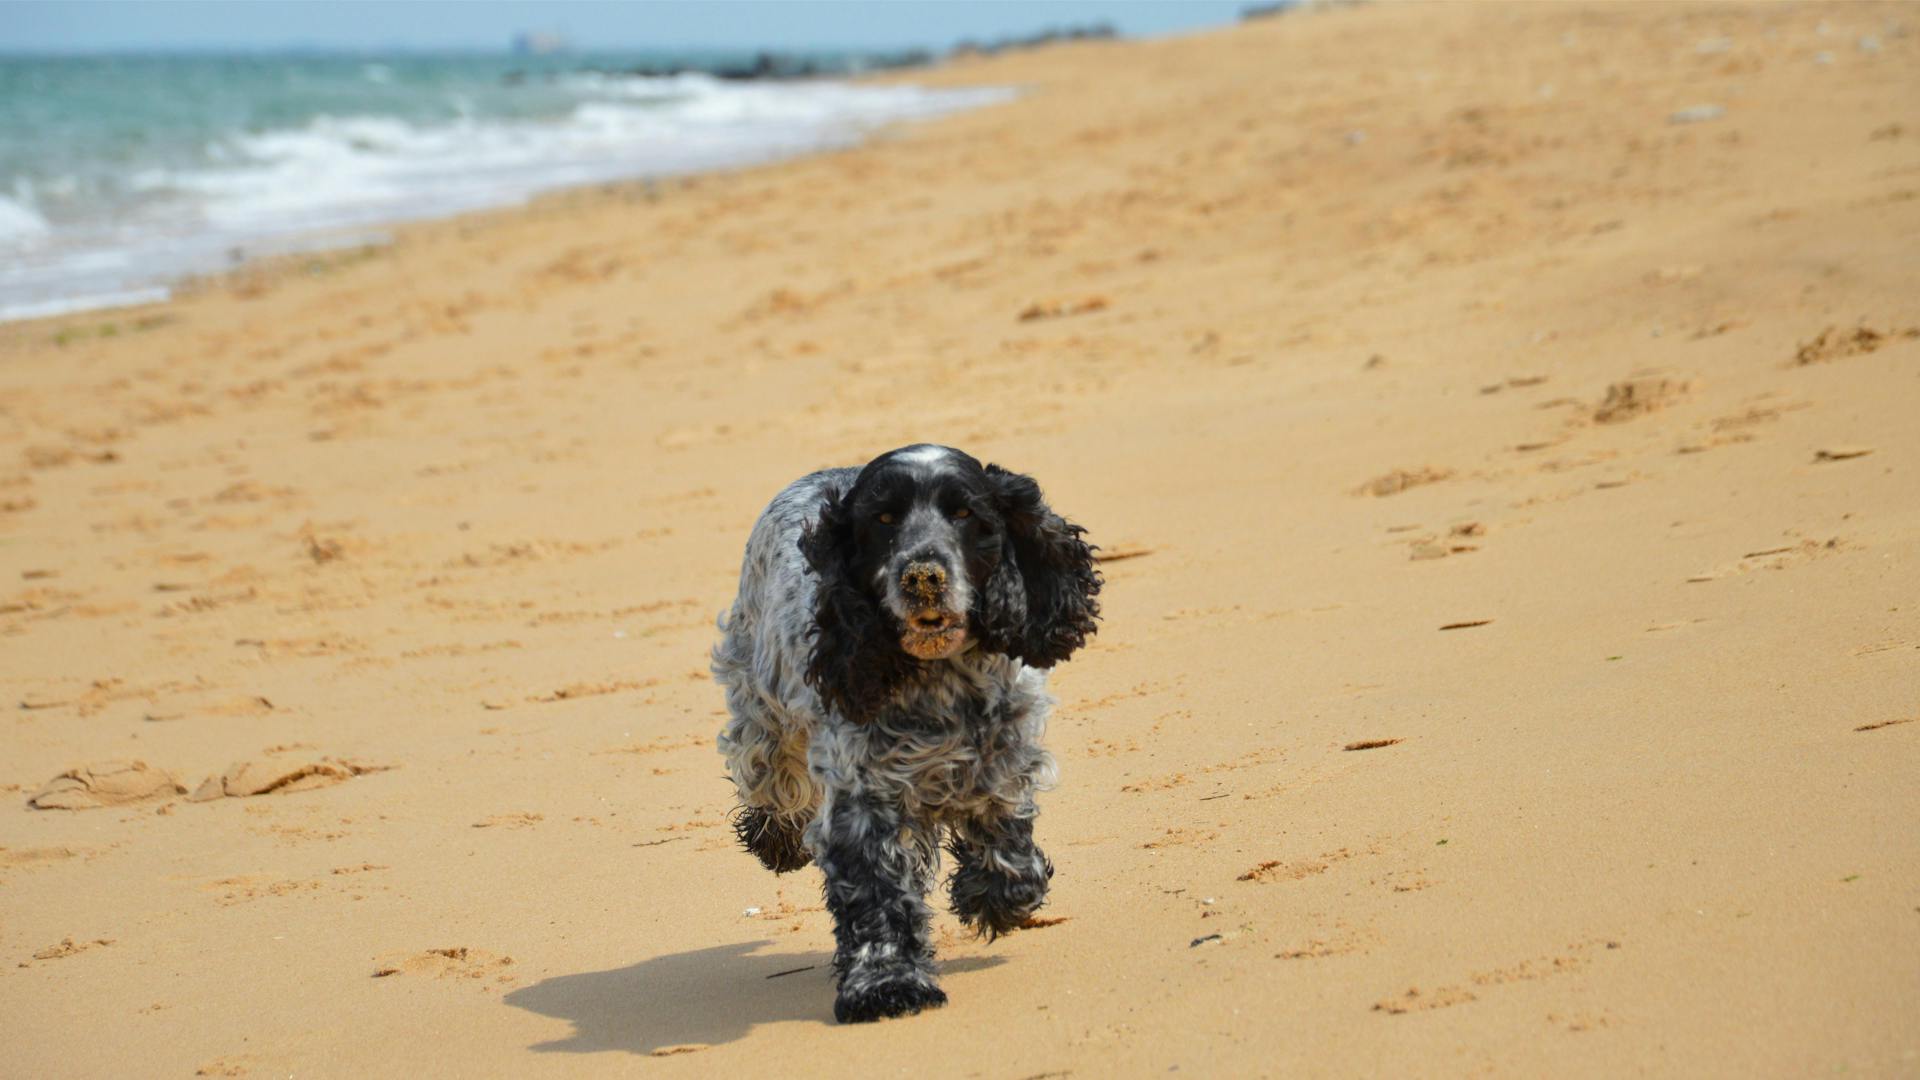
(884, 667)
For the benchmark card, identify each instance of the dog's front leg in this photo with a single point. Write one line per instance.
(875, 882)
(1002, 875)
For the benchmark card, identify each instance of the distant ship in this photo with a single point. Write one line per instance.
(538, 43)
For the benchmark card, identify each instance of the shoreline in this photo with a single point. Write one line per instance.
(344, 225)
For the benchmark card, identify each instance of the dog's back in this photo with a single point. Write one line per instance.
(761, 658)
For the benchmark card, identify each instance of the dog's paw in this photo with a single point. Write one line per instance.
(778, 846)
(878, 997)
(991, 903)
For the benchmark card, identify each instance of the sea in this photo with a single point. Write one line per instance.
(122, 174)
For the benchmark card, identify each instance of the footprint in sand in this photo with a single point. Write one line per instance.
(1637, 397)
(1399, 480)
(29, 858)
(1431, 546)
(247, 778)
(510, 821)
(1343, 941)
(457, 962)
(1834, 343)
(111, 783)
(248, 887)
(592, 689)
(1735, 428)
(1273, 870)
(54, 457)
(67, 947)
(1573, 958)
(1773, 558)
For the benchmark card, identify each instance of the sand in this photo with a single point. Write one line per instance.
(1502, 423)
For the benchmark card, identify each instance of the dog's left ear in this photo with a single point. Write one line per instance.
(1043, 600)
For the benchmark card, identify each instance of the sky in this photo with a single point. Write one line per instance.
(115, 25)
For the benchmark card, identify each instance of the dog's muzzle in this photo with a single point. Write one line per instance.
(934, 630)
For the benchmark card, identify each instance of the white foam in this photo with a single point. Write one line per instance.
(360, 169)
(19, 223)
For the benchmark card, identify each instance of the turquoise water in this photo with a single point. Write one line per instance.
(119, 173)
(75, 131)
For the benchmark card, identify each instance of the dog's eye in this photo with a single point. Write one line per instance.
(886, 519)
(963, 512)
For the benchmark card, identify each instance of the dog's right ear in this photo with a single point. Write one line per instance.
(1043, 601)
(856, 662)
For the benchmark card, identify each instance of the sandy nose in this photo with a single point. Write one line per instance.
(924, 582)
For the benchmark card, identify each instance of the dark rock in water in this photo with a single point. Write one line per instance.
(770, 65)
(774, 65)
(767, 65)
(1052, 35)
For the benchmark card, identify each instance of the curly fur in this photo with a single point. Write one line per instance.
(852, 664)
(1049, 608)
(779, 847)
(1001, 878)
(850, 751)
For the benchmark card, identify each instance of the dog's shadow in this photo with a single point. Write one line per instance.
(707, 996)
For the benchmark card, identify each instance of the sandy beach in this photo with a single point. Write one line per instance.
(1499, 422)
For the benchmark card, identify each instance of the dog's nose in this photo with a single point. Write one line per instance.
(924, 580)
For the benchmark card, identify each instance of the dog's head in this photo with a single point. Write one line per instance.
(930, 554)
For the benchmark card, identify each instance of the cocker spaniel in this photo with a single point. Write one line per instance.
(884, 664)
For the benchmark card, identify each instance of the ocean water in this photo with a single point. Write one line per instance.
(119, 174)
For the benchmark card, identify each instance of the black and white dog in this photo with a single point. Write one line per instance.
(883, 665)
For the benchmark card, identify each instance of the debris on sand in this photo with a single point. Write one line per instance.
(1696, 114)
(1370, 744)
(1055, 309)
(1841, 453)
(1041, 922)
(1413, 1001)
